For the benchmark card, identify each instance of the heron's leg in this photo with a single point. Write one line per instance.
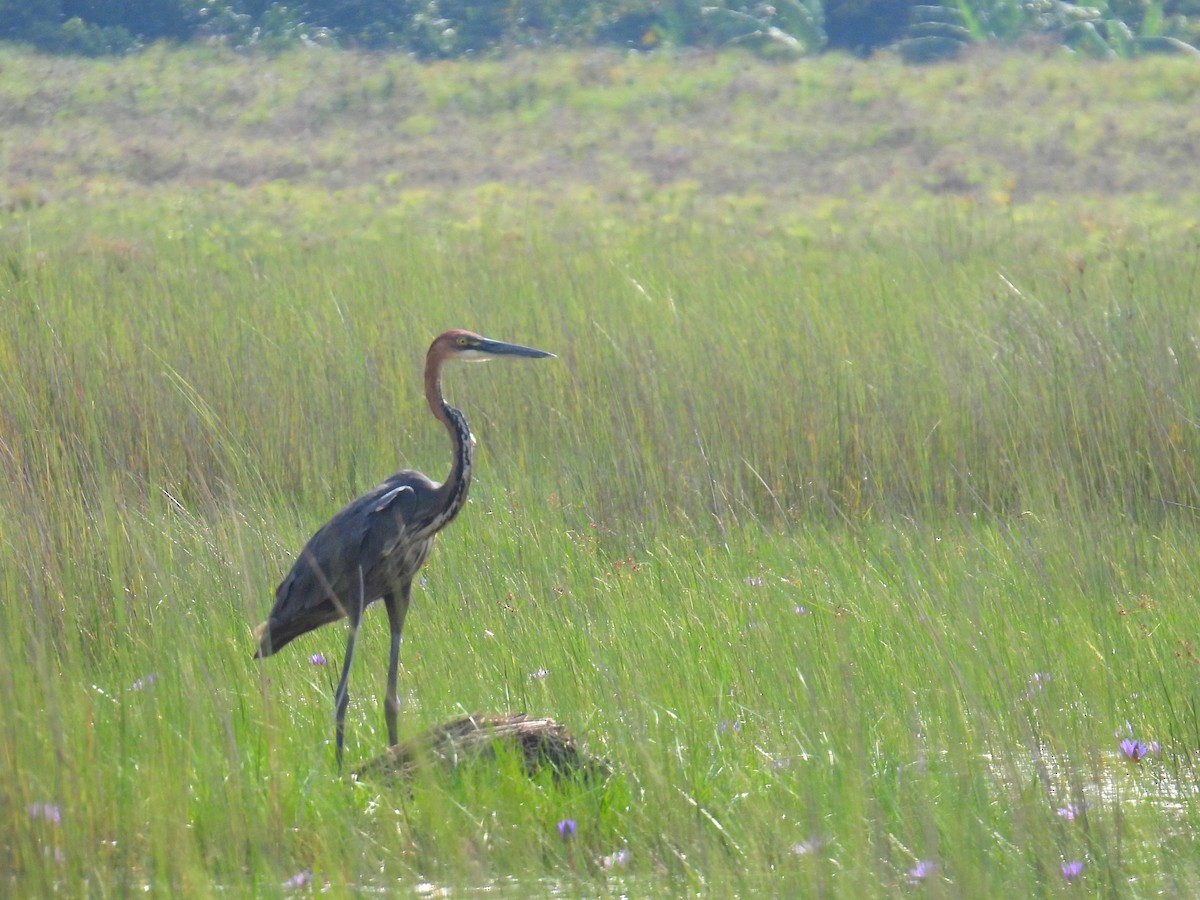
(397, 609)
(342, 695)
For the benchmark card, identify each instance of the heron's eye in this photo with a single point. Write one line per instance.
(462, 342)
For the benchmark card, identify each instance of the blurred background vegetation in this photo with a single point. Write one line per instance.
(920, 31)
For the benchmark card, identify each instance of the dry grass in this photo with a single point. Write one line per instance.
(612, 126)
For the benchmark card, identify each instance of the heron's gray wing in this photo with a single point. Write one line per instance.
(327, 572)
(391, 497)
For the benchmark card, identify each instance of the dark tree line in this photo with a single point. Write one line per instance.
(921, 29)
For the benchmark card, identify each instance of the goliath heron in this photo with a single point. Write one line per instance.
(374, 546)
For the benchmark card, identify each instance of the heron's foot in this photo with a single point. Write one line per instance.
(391, 708)
(339, 744)
(343, 701)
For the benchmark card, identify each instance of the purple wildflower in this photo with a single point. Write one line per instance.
(566, 829)
(317, 659)
(1070, 812)
(620, 858)
(300, 879)
(805, 848)
(755, 581)
(922, 870)
(144, 682)
(1072, 870)
(47, 812)
(1135, 750)
(1036, 682)
(726, 725)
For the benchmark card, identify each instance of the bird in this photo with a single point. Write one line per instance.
(374, 546)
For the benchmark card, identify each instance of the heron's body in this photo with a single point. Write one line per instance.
(374, 546)
(388, 531)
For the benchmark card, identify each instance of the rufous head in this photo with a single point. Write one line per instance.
(471, 347)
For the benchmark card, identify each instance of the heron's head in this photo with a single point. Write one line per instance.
(471, 347)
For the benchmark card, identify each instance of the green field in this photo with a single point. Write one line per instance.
(855, 524)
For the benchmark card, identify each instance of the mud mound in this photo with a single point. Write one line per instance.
(475, 738)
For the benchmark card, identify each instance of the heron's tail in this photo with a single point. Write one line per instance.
(262, 636)
(275, 634)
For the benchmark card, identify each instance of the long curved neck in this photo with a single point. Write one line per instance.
(452, 494)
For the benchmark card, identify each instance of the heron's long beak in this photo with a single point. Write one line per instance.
(500, 348)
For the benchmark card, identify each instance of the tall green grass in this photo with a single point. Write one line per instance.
(849, 545)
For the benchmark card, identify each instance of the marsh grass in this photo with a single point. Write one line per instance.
(848, 552)
(853, 539)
